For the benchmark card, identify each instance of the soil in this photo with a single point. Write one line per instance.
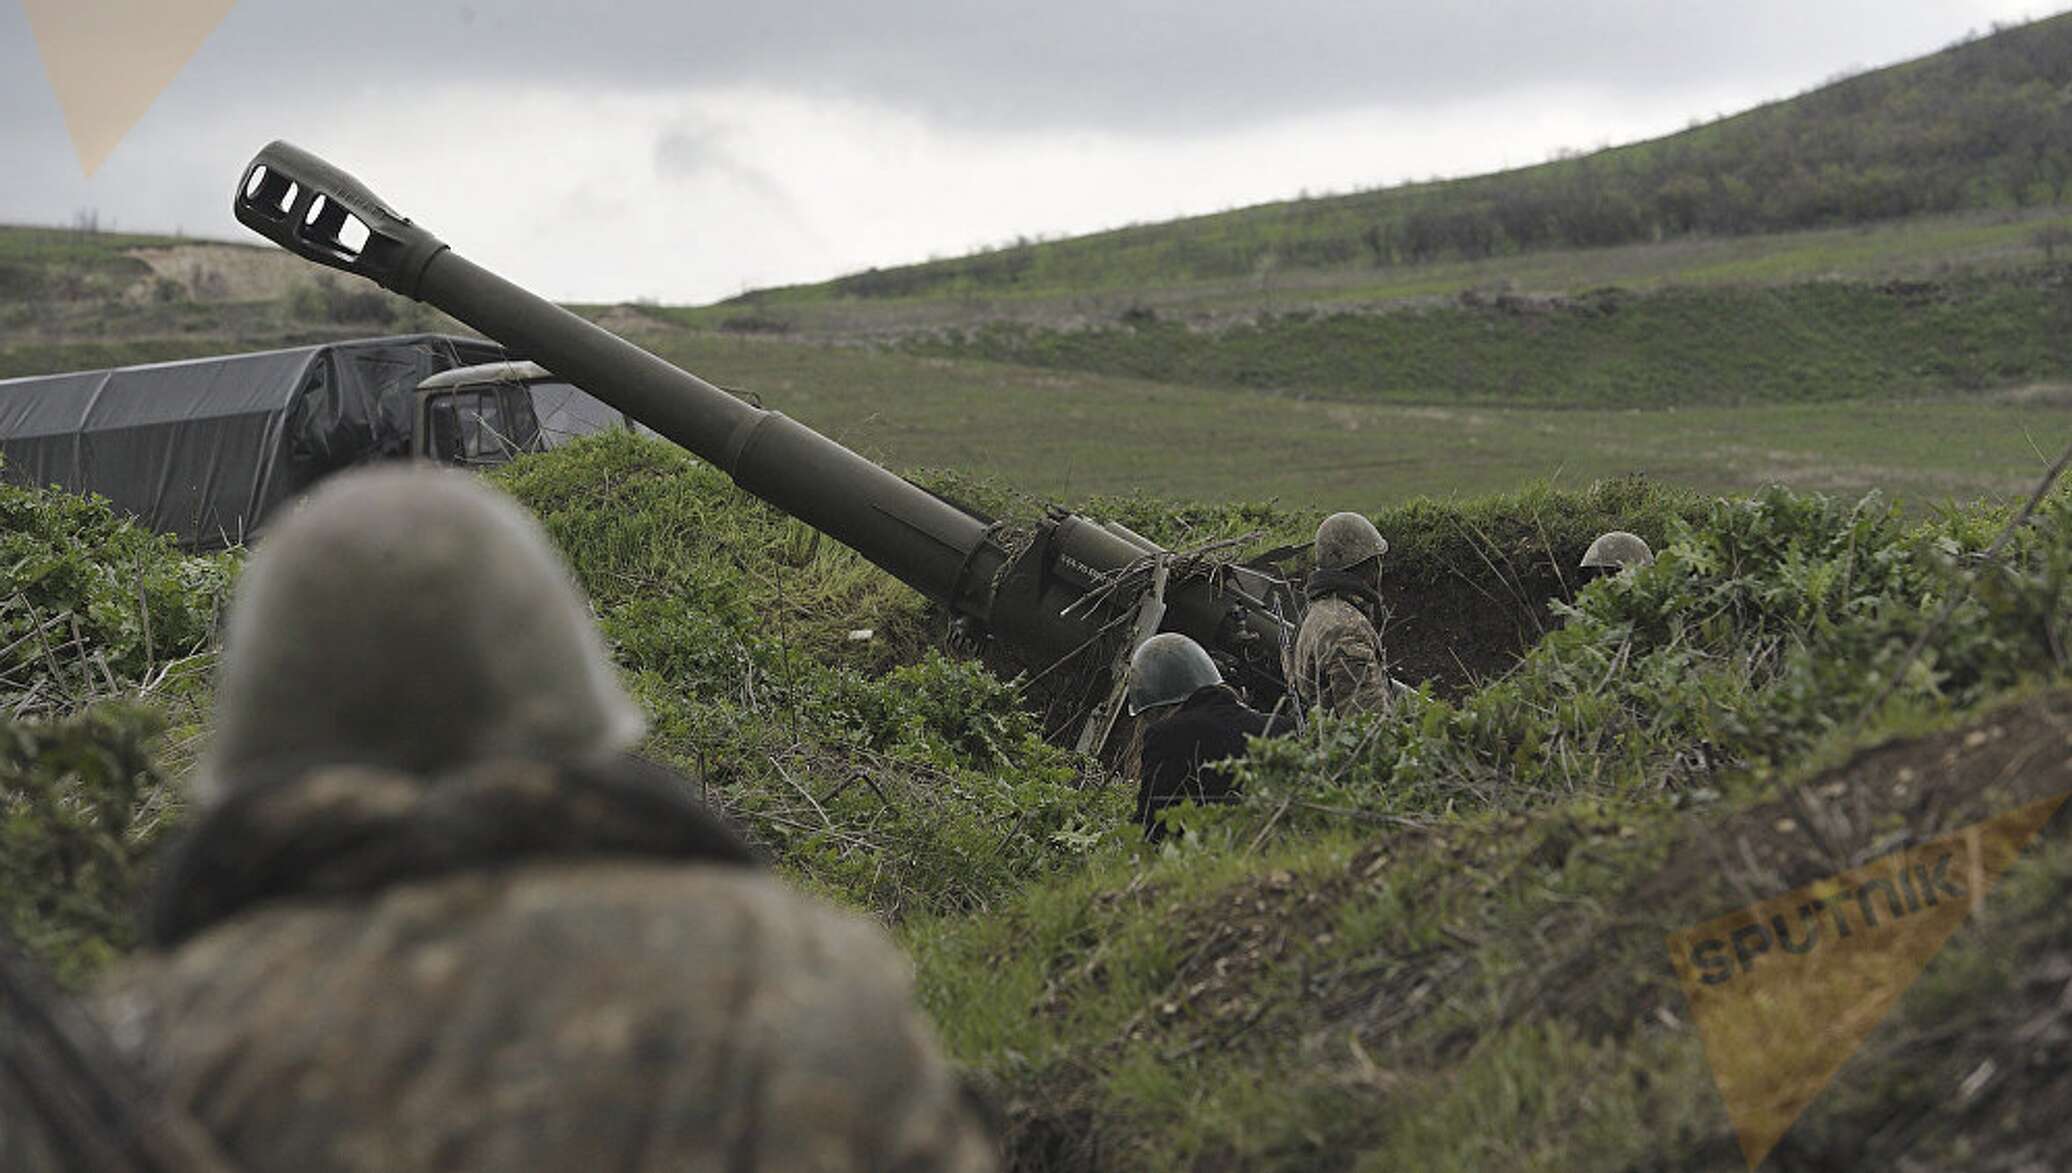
(1457, 638)
(1465, 626)
(224, 272)
(1907, 1101)
(1604, 973)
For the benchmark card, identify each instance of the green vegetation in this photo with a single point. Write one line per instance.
(1434, 939)
(106, 633)
(1760, 628)
(95, 606)
(81, 299)
(1354, 384)
(1919, 248)
(1982, 124)
(82, 806)
(873, 768)
(1684, 347)
(70, 264)
(1070, 436)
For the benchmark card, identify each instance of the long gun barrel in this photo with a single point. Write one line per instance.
(1023, 594)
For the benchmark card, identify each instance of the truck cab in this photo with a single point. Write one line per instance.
(473, 425)
(486, 414)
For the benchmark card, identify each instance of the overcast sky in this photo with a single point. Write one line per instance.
(685, 150)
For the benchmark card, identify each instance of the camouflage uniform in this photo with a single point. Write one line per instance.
(1339, 662)
(522, 966)
(432, 917)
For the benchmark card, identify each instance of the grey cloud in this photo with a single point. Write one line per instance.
(689, 152)
(1134, 66)
(686, 152)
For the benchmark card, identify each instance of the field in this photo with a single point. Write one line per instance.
(1070, 436)
(1912, 249)
(72, 299)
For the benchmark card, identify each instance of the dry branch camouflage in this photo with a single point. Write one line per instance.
(523, 966)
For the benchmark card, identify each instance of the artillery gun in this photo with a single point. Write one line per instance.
(1068, 593)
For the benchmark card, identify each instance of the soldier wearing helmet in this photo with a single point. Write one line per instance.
(1191, 721)
(432, 913)
(1614, 553)
(1338, 657)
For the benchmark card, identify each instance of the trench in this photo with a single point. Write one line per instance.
(1454, 630)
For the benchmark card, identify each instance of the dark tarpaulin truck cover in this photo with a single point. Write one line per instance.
(567, 413)
(205, 448)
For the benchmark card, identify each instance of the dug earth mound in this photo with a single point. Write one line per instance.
(1538, 963)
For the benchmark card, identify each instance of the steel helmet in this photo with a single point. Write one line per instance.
(415, 619)
(1167, 669)
(1345, 540)
(1617, 550)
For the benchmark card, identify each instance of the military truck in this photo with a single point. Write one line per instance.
(207, 448)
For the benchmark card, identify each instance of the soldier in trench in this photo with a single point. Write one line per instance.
(1190, 722)
(431, 915)
(1338, 660)
(1615, 553)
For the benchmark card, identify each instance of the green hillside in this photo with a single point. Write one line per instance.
(79, 298)
(1117, 362)
(1984, 124)
(1674, 347)
(1070, 435)
(1792, 282)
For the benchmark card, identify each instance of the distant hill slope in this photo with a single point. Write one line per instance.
(75, 264)
(80, 299)
(1677, 347)
(1986, 123)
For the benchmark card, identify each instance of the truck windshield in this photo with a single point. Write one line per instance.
(487, 426)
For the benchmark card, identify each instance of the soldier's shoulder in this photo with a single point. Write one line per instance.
(537, 926)
(1331, 614)
(604, 970)
(660, 944)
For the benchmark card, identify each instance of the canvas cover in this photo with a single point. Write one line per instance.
(205, 448)
(566, 412)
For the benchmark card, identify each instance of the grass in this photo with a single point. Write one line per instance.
(1071, 436)
(1679, 347)
(70, 262)
(1433, 943)
(1917, 248)
(1450, 958)
(73, 300)
(1512, 1012)
(23, 359)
